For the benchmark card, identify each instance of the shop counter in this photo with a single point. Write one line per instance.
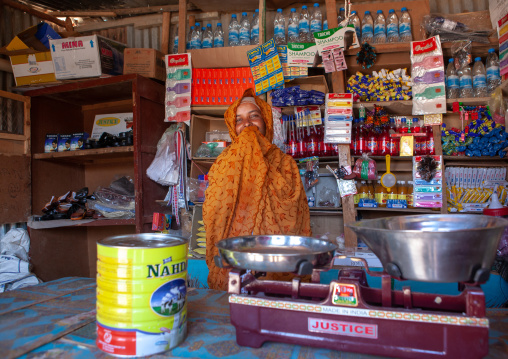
(57, 319)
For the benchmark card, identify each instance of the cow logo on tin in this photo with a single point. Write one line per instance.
(169, 298)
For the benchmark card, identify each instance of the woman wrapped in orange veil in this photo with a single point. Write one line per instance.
(254, 188)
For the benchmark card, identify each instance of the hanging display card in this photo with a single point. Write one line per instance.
(266, 67)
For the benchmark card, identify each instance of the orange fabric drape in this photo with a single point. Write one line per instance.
(254, 188)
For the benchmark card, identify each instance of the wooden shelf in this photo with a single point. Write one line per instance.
(472, 101)
(384, 48)
(478, 48)
(91, 155)
(475, 159)
(406, 210)
(397, 107)
(63, 223)
(324, 209)
(209, 110)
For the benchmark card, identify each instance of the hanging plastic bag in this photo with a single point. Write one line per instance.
(497, 106)
(365, 168)
(164, 168)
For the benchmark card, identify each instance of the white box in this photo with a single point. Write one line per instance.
(86, 56)
(113, 123)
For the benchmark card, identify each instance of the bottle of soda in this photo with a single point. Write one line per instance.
(384, 142)
(372, 143)
(430, 148)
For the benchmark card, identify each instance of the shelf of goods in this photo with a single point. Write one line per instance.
(69, 248)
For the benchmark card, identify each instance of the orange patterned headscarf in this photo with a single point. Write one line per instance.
(254, 188)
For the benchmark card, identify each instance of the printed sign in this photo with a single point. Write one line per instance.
(345, 294)
(342, 328)
(334, 38)
(302, 54)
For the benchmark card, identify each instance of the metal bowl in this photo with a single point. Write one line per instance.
(276, 253)
(434, 248)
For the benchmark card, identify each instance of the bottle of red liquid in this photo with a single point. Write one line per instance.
(312, 141)
(384, 142)
(321, 143)
(292, 146)
(361, 139)
(430, 148)
(417, 140)
(372, 143)
(403, 126)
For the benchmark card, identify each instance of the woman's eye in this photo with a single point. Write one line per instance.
(238, 119)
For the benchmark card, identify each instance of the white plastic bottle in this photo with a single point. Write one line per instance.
(254, 33)
(233, 36)
(465, 82)
(493, 76)
(392, 27)
(244, 30)
(479, 78)
(325, 25)
(189, 38)
(355, 20)
(341, 15)
(452, 81)
(293, 26)
(316, 20)
(405, 33)
(279, 28)
(198, 35)
(207, 37)
(218, 36)
(380, 28)
(303, 25)
(367, 28)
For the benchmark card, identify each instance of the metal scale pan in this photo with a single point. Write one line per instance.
(434, 248)
(275, 253)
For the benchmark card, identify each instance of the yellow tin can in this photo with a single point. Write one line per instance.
(141, 293)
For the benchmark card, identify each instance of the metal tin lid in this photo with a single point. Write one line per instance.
(497, 212)
(143, 240)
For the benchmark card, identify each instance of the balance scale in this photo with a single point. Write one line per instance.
(347, 315)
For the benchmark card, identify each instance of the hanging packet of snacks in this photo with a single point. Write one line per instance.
(178, 88)
(365, 168)
(338, 118)
(429, 95)
(310, 172)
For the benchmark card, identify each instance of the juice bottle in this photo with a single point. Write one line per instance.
(403, 126)
(384, 142)
(370, 189)
(430, 148)
(380, 194)
(402, 190)
(356, 197)
(410, 194)
(372, 143)
(363, 192)
(392, 193)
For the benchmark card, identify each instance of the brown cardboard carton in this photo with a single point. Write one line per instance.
(220, 57)
(145, 62)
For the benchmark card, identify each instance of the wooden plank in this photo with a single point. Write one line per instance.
(5, 65)
(14, 96)
(331, 13)
(84, 13)
(82, 154)
(262, 21)
(15, 188)
(182, 20)
(348, 204)
(103, 105)
(137, 21)
(32, 11)
(165, 29)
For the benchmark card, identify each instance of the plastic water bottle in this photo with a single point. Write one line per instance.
(254, 34)
(316, 20)
(392, 27)
(355, 20)
(452, 81)
(380, 28)
(405, 26)
(479, 78)
(244, 30)
(203, 31)
(175, 42)
(195, 39)
(465, 82)
(198, 36)
(279, 28)
(207, 37)
(325, 25)
(341, 15)
(233, 36)
(218, 36)
(293, 26)
(303, 25)
(367, 28)
(493, 76)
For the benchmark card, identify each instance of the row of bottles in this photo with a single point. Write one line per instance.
(204, 37)
(382, 30)
(378, 142)
(300, 26)
(480, 82)
(308, 141)
(367, 189)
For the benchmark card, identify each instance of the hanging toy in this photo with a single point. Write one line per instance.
(366, 57)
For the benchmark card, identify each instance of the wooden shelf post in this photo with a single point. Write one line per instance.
(182, 20)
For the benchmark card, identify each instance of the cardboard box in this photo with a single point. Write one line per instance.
(146, 62)
(30, 56)
(64, 143)
(78, 141)
(111, 123)
(86, 56)
(51, 143)
(220, 57)
(200, 125)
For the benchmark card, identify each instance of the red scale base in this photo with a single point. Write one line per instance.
(347, 315)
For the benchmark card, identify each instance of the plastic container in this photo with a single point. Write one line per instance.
(380, 28)
(405, 33)
(293, 26)
(392, 27)
(304, 25)
(500, 211)
(367, 28)
(380, 194)
(279, 26)
(402, 190)
(410, 194)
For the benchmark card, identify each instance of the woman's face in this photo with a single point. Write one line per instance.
(248, 114)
